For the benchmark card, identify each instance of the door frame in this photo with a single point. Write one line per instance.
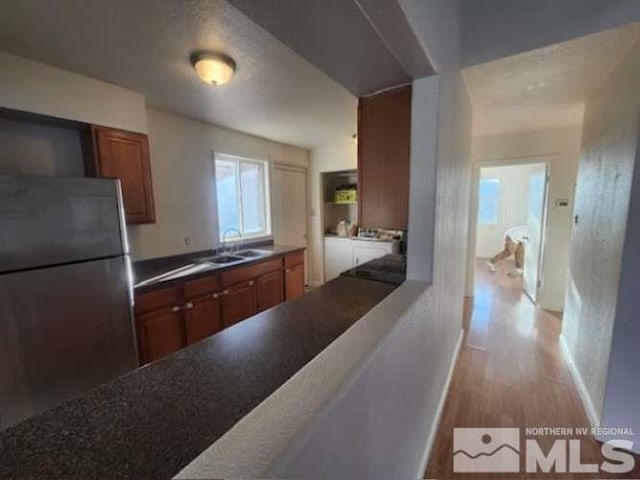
(476, 166)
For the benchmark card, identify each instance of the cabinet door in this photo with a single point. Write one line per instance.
(384, 134)
(125, 155)
(270, 290)
(203, 317)
(338, 257)
(294, 282)
(162, 332)
(363, 254)
(239, 302)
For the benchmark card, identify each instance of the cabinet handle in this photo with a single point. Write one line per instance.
(287, 270)
(215, 295)
(186, 306)
(226, 292)
(251, 283)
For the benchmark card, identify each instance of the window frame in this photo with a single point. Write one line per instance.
(266, 168)
(497, 207)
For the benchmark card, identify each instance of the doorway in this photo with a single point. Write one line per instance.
(511, 221)
(289, 207)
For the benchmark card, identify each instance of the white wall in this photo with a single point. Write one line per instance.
(35, 149)
(35, 87)
(560, 147)
(493, 29)
(607, 157)
(182, 169)
(329, 159)
(512, 207)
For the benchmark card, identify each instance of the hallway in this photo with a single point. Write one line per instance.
(510, 373)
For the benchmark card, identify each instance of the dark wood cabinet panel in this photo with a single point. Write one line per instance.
(159, 322)
(239, 302)
(270, 290)
(384, 137)
(125, 155)
(244, 273)
(294, 282)
(203, 317)
(187, 311)
(162, 332)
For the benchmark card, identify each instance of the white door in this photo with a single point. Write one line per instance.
(535, 224)
(289, 206)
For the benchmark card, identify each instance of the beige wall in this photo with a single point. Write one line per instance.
(327, 159)
(560, 147)
(182, 169)
(35, 87)
(607, 158)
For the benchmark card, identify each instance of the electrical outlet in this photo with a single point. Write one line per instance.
(187, 240)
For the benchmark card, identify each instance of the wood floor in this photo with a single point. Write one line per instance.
(511, 373)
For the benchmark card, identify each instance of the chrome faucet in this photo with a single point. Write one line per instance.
(224, 239)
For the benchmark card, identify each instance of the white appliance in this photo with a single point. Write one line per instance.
(344, 253)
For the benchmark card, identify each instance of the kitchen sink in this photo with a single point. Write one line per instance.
(252, 253)
(224, 259)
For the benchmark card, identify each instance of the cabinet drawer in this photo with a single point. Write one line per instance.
(157, 299)
(241, 274)
(295, 258)
(201, 286)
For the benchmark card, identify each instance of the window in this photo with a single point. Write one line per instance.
(242, 188)
(488, 200)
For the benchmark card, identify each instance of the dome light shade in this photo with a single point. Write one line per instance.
(213, 68)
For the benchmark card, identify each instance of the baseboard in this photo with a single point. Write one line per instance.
(443, 398)
(587, 403)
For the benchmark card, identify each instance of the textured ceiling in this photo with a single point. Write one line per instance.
(144, 45)
(562, 73)
(365, 45)
(509, 119)
(546, 87)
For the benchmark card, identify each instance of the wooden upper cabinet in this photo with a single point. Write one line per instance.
(384, 137)
(125, 155)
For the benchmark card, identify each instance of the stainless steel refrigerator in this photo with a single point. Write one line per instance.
(65, 291)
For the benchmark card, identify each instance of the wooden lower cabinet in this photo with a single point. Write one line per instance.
(294, 281)
(239, 301)
(170, 318)
(203, 317)
(270, 290)
(159, 323)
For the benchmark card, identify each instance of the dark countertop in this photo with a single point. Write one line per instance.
(155, 420)
(143, 270)
(391, 268)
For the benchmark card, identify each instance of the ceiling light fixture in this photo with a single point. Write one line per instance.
(213, 68)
